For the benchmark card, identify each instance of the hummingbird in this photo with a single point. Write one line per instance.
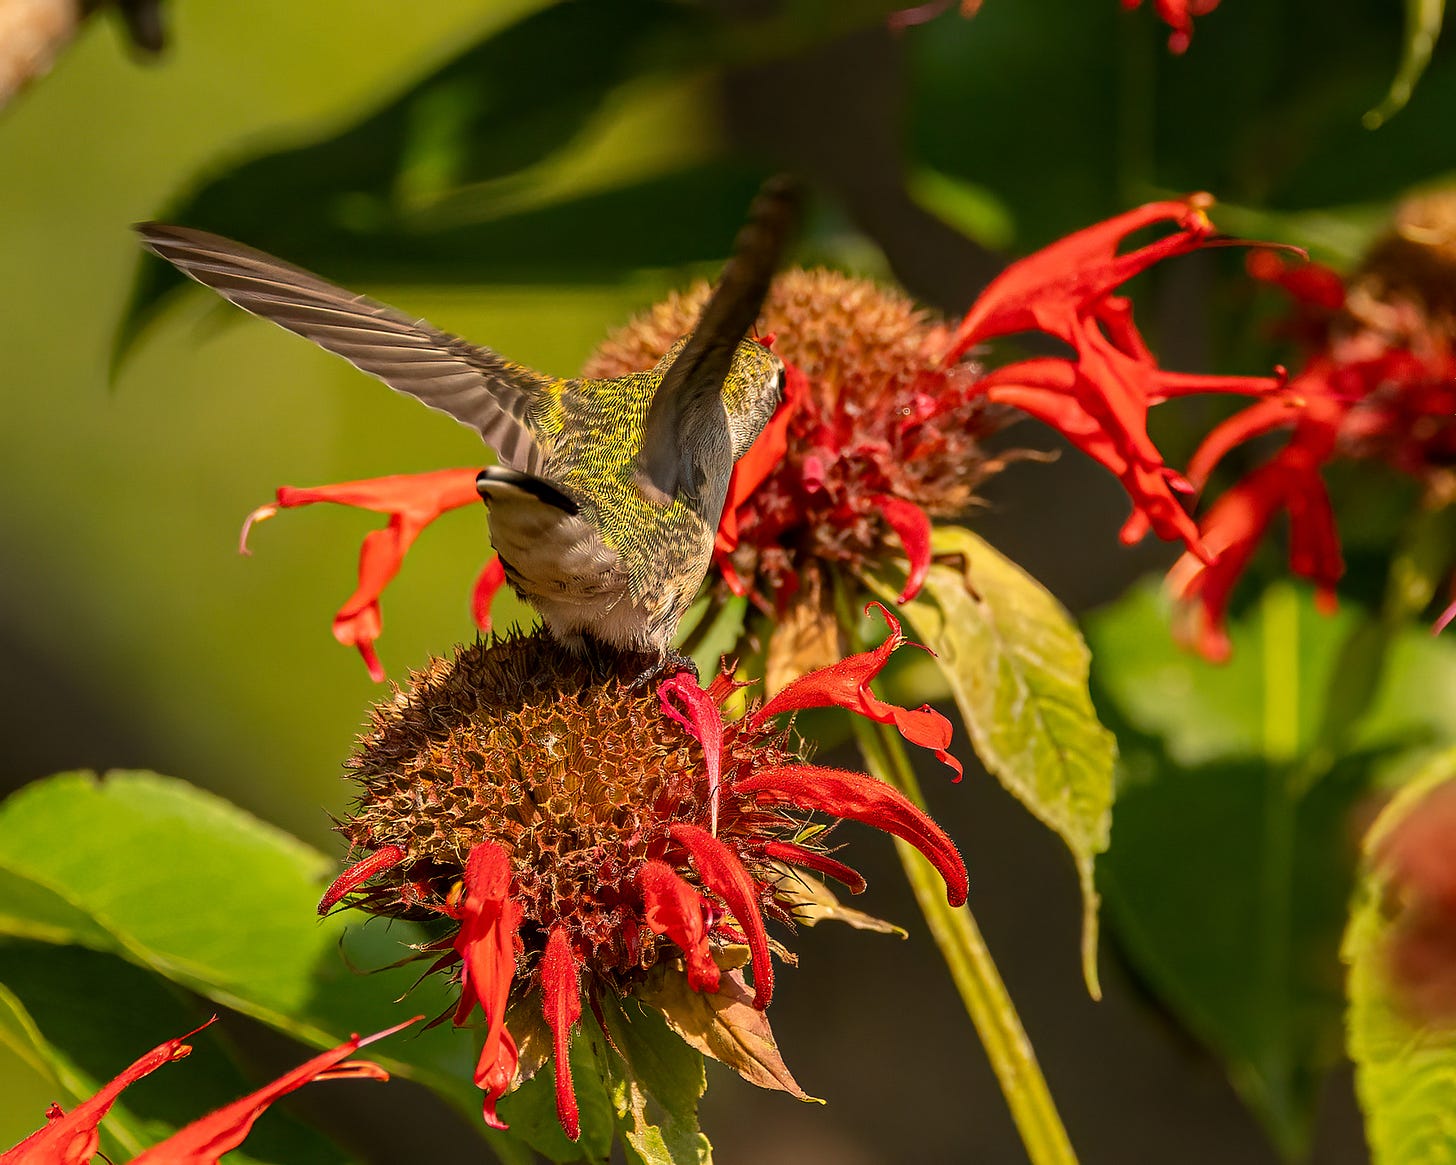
(606, 497)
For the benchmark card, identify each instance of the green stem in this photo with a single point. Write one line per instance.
(1281, 658)
(973, 971)
(1422, 557)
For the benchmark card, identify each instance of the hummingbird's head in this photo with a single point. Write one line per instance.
(751, 392)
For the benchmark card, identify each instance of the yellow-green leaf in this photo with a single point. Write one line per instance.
(1405, 1073)
(1017, 667)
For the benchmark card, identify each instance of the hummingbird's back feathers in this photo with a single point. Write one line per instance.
(687, 441)
(472, 384)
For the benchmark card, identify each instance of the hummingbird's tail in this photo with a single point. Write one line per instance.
(686, 426)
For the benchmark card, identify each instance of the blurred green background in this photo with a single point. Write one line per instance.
(132, 633)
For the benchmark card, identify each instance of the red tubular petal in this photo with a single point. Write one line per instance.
(204, 1141)
(494, 1073)
(492, 578)
(70, 1138)
(912, 527)
(858, 797)
(673, 908)
(704, 723)
(820, 863)
(561, 995)
(1046, 290)
(412, 502)
(360, 872)
(723, 874)
(846, 685)
(1254, 421)
(489, 919)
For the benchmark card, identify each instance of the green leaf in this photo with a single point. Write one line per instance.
(211, 898)
(1422, 27)
(82, 1016)
(1405, 1074)
(1255, 977)
(1018, 667)
(656, 1082)
(1225, 817)
(1201, 712)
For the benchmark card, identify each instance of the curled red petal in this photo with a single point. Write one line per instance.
(494, 1073)
(1237, 522)
(489, 919)
(912, 527)
(360, 872)
(203, 1141)
(761, 458)
(723, 874)
(673, 908)
(492, 577)
(561, 1003)
(846, 684)
(857, 797)
(820, 863)
(412, 502)
(71, 1138)
(703, 722)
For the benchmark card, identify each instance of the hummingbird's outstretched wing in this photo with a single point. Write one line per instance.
(472, 384)
(686, 424)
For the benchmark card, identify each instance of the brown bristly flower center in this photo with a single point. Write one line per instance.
(525, 744)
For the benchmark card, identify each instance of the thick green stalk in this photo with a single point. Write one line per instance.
(973, 971)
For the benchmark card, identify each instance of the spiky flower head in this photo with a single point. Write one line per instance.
(586, 832)
(875, 433)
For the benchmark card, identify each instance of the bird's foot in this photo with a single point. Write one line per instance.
(670, 663)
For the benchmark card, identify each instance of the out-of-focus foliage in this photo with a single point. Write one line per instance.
(1233, 849)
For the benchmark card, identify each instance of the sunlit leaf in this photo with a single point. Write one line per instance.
(215, 900)
(1405, 1072)
(656, 1081)
(1017, 667)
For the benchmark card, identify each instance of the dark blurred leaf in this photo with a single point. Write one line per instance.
(1224, 818)
(84, 1016)
(366, 202)
(1229, 898)
(217, 901)
(1264, 110)
(1017, 667)
(1403, 1070)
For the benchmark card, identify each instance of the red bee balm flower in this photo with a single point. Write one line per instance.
(1178, 15)
(1379, 385)
(71, 1138)
(590, 836)
(883, 419)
